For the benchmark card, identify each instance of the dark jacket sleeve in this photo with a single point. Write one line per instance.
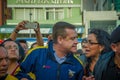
(101, 65)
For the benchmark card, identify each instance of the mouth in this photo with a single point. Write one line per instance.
(3, 71)
(87, 51)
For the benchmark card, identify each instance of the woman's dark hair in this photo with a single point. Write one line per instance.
(103, 38)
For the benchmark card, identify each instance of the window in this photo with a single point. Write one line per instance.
(19, 14)
(54, 14)
(69, 13)
(39, 14)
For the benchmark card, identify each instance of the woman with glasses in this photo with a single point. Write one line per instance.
(98, 43)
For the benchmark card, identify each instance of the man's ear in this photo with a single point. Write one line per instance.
(60, 39)
(113, 46)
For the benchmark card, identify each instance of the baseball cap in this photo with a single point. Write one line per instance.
(115, 35)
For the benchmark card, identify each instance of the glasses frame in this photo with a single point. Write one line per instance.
(92, 43)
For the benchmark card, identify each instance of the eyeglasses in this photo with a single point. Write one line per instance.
(92, 43)
(11, 47)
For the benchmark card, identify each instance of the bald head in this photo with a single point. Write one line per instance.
(3, 61)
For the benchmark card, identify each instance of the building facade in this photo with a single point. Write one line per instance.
(46, 12)
(103, 14)
(3, 9)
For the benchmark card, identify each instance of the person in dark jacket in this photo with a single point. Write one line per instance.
(56, 62)
(98, 43)
(108, 65)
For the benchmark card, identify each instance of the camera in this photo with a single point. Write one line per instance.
(31, 25)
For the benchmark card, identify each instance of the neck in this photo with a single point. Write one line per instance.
(59, 52)
(117, 60)
(93, 62)
(94, 59)
(12, 66)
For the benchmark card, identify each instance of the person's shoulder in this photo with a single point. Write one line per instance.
(10, 77)
(37, 50)
(107, 55)
(78, 60)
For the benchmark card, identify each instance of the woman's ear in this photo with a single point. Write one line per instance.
(101, 48)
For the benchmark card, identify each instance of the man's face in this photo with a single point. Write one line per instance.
(3, 62)
(69, 43)
(116, 48)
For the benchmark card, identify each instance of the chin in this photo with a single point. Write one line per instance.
(74, 51)
(88, 56)
(3, 74)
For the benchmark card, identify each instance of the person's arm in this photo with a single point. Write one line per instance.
(20, 26)
(38, 34)
(24, 72)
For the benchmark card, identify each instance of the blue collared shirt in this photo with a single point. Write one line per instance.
(58, 59)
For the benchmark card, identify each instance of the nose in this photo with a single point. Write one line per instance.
(76, 41)
(4, 62)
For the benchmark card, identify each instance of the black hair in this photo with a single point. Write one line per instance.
(9, 39)
(22, 41)
(103, 38)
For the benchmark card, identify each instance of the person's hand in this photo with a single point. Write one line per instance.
(21, 26)
(88, 78)
(37, 29)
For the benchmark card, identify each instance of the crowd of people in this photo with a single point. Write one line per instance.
(99, 58)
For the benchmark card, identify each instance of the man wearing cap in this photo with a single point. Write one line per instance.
(108, 65)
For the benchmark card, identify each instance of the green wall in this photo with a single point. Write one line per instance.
(37, 2)
(75, 18)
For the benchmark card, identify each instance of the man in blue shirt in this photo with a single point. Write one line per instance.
(57, 62)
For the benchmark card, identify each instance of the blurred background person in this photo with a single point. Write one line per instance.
(82, 56)
(23, 44)
(34, 45)
(83, 44)
(79, 52)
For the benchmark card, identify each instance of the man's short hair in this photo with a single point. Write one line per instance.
(59, 30)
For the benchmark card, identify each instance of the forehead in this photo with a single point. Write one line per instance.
(3, 52)
(10, 43)
(91, 37)
(71, 32)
